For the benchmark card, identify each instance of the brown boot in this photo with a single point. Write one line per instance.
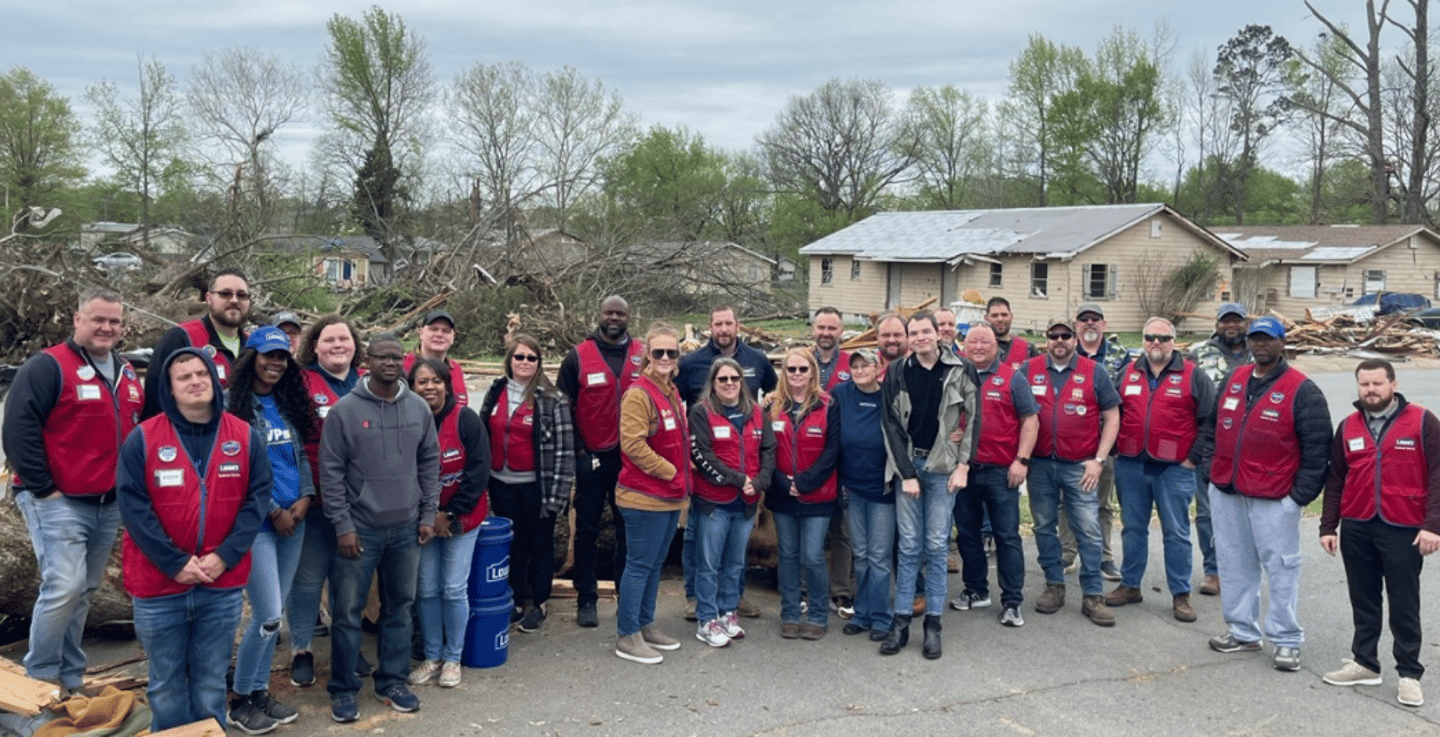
(1123, 595)
(1053, 598)
(1094, 608)
(1183, 612)
(1210, 586)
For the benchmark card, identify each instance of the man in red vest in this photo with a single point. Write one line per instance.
(1079, 418)
(437, 335)
(217, 334)
(69, 410)
(193, 485)
(1164, 402)
(834, 365)
(1383, 492)
(594, 375)
(1272, 445)
(1014, 349)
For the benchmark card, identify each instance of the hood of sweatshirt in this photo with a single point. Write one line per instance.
(167, 397)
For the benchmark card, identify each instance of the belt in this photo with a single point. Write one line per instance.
(921, 452)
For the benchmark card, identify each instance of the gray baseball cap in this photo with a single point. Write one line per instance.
(1230, 308)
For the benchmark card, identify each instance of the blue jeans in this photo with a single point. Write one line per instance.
(1204, 529)
(689, 559)
(393, 553)
(1168, 487)
(72, 542)
(316, 553)
(1052, 481)
(187, 640)
(273, 559)
(872, 537)
(922, 526)
(647, 541)
(720, 541)
(990, 496)
(444, 609)
(801, 540)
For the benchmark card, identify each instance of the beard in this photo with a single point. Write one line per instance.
(1090, 335)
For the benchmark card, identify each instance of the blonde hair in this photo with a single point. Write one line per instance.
(780, 397)
(656, 330)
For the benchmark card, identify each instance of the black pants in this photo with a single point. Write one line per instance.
(1380, 555)
(595, 478)
(532, 552)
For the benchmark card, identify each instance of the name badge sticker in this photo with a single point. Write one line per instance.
(669, 423)
(778, 425)
(721, 432)
(1356, 444)
(1132, 390)
(87, 391)
(169, 477)
(1231, 403)
(595, 379)
(1037, 389)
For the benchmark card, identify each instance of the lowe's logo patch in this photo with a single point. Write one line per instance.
(502, 640)
(1270, 414)
(229, 468)
(1405, 443)
(498, 571)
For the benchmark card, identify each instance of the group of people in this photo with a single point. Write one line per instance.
(275, 461)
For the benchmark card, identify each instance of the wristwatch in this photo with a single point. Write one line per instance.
(1023, 461)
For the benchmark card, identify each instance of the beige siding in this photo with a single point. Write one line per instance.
(919, 282)
(1415, 270)
(855, 298)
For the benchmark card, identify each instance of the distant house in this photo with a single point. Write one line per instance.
(1045, 261)
(1293, 268)
(343, 262)
(163, 240)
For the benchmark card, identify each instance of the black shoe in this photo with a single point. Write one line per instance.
(899, 635)
(302, 670)
(248, 718)
(851, 628)
(534, 617)
(363, 668)
(931, 648)
(343, 708)
(272, 708)
(399, 698)
(586, 616)
(516, 615)
(878, 635)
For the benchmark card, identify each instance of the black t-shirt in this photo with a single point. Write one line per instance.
(925, 387)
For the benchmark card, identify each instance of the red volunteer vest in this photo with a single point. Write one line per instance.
(452, 469)
(183, 502)
(323, 397)
(840, 374)
(597, 403)
(1160, 424)
(512, 439)
(1389, 477)
(457, 377)
(671, 441)
(88, 423)
(797, 448)
(1019, 352)
(1266, 469)
(1069, 413)
(737, 449)
(999, 440)
(200, 338)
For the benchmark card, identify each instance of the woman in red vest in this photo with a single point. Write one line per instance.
(734, 453)
(802, 495)
(440, 588)
(654, 483)
(532, 465)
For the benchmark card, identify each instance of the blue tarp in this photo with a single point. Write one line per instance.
(1394, 302)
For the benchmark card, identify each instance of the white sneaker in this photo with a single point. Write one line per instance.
(449, 674)
(712, 633)
(731, 624)
(423, 672)
(1410, 693)
(1352, 674)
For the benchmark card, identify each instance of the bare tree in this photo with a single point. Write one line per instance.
(951, 144)
(1324, 132)
(1250, 76)
(492, 116)
(579, 123)
(1419, 158)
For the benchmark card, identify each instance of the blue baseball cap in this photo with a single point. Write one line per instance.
(1267, 326)
(268, 338)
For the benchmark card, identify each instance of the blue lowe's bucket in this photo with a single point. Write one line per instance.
(487, 634)
(490, 565)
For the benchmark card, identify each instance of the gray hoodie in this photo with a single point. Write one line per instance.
(379, 461)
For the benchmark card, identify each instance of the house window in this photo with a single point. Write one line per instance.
(1304, 281)
(854, 270)
(1039, 280)
(1099, 281)
(1374, 281)
(996, 274)
(827, 271)
(332, 270)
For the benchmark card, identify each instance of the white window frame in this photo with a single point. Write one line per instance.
(1374, 285)
(827, 272)
(1088, 280)
(1040, 282)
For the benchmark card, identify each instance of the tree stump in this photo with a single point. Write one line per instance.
(20, 580)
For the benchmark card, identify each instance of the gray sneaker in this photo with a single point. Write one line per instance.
(633, 648)
(968, 600)
(656, 638)
(1010, 616)
(1227, 643)
(1286, 658)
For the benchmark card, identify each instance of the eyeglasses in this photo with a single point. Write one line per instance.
(659, 353)
(229, 294)
(798, 369)
(1060, 336)
(526, 357)
(1152, 338)
(386, 358)
(728, 379)
(1092, 318)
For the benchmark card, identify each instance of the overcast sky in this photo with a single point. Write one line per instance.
(724, 69)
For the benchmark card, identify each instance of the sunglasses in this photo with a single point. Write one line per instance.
(1092, 318)
(1152, 338)
(728, 379)
(798, 369)
(1060, 336)
(659, 353)
(229, 294)
(526, 357)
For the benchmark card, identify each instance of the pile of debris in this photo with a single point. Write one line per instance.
(1361, 336)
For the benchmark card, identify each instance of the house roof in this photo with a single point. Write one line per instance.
(951, 235)
(361, 244)
(1316, 243)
